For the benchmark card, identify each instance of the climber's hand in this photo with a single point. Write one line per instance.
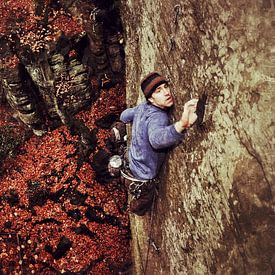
(189, 116)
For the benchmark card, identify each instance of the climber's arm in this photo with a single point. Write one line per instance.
(163, 135)
(127, 115)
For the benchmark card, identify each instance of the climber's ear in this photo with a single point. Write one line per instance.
(150, 99)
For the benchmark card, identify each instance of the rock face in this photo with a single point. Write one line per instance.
(213, 214)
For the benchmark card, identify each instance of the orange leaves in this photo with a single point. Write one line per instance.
(51, 163)
(12, 10)
(68, 25)
(18, 18)
(10, 62)
(86, 173)
(102, 135)
(101, 268)
(109, 101)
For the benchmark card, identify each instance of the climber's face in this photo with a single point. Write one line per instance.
(162, 97)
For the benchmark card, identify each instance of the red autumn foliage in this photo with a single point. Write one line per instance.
(45, 195)
(20, 24)
(18, 11)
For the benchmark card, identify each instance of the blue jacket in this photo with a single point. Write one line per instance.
(152, 135)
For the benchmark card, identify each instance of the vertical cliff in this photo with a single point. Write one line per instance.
(214, 209)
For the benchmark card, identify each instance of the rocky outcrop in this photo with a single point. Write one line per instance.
(215, 205)
(56, 56)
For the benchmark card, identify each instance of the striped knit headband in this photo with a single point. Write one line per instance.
(150, 82)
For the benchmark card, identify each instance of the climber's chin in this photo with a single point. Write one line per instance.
(170, 101)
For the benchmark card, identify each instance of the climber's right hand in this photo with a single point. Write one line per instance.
(189, 115)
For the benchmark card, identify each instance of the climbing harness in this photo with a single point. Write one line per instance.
(135, 189)
(137, 186)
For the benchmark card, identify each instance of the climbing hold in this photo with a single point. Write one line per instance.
(200, 110)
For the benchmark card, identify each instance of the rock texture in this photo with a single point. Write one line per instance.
(214, 210)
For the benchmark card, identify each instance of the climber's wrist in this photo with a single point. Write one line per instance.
(181, 126)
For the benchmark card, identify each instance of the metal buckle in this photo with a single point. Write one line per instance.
(135, 189)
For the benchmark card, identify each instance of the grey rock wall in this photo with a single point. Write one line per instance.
(215, 206)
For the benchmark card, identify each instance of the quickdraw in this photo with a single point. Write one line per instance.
(135, 189)
(136, 185)
(92, 16)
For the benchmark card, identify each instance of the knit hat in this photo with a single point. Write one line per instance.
(150, 82)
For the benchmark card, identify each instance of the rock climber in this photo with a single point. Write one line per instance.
(152, 136)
